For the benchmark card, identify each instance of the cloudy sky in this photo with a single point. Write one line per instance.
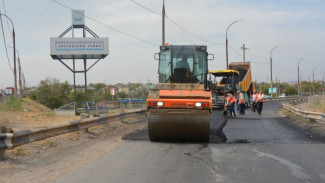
(297, 26)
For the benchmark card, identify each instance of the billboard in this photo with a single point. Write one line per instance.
(112, 91)
(273, 90)
(78, 48)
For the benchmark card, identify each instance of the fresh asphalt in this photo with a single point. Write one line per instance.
(250, 148)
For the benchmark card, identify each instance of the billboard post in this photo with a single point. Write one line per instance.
(83, 48)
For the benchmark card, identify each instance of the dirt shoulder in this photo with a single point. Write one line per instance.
(46, 160)
(31, 114)
(312, 126)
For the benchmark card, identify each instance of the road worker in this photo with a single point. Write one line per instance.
(254, 102)
(227, 102)
(232, 104)
(241, 102)
(259, 99)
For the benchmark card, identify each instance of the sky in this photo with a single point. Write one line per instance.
(296, 26)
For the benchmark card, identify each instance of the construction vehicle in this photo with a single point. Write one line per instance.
(180, 106)
(245, 83)
(226, 84)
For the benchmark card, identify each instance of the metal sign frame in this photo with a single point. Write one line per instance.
(85, 68)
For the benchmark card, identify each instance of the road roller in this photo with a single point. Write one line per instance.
(180, 105)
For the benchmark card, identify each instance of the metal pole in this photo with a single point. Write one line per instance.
(299, 78)
(14, 44)
(15, 69)
(227, 42)
(163, 24)
(85, 67)
(314, 80)
(20, 88)
(323, 86)
(271, 68)
(226, 52)
(74, 88)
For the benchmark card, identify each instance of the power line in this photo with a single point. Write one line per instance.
(4, 8)
(145, 7)
(174, 22)
(4, 40)
(105, 25)
(235, 50)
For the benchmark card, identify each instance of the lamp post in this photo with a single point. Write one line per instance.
(19, 75)
(314, 79)
(227, 41)
(323, 85)
(271, 68)
(298, 77)
(14, 47)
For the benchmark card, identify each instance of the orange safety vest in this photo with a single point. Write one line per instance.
(240, 101)
(232, 100)
(260, 97)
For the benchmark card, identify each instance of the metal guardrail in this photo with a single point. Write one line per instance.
(316, 116)
(15, 139)
(280, 98)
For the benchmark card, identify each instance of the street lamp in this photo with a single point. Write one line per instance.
(19, 75)
(14, 43)
(298, 77)
(271, 68)
(227, 41)
(314, 80)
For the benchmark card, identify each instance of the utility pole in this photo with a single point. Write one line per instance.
(279, 87)
(271, 69)
(163, 24)
(244, 48)
(298, 77)
(323, 85)
(276, 84)
(20, 85)
(314, 79)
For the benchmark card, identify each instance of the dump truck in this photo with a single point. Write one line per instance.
(180, 105)
(245, 83)
(223, 81)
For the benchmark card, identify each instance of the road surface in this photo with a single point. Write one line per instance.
(253, 148)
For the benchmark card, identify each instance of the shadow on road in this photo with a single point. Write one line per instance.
(217, 123)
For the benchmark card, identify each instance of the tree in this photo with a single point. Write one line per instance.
(291, 90)
(52, 93)
(122, 94)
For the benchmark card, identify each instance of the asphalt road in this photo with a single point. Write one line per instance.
(252, 148)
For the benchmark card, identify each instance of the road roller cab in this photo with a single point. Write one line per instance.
(179, 107)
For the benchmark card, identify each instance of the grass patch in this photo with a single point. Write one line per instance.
(12, 105)
(51, 143)
(297, 118)
(19, 152)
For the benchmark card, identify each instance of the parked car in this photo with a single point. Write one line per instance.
(283, 95)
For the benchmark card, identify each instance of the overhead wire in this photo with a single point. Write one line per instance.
(5, 44)
(110, 27)
(175, 23)
(4, 8)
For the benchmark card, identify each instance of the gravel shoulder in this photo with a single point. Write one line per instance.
(51, 158)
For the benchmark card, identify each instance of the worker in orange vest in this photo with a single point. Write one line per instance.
(241, 102)
(227, 103)
(259, 99)
(232, 104)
